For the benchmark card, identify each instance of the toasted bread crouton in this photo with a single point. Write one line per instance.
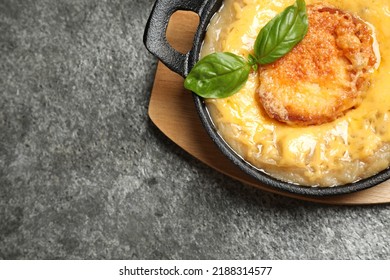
(325, 75)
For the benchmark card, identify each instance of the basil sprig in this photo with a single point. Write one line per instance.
(222, 74)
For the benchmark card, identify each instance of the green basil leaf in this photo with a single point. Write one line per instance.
(218, 75)
(282, 33)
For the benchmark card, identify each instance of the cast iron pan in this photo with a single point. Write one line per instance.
(156, 42)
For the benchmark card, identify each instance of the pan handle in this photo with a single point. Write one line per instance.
(155, 38)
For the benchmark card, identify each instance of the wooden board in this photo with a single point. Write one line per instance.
(172, 110)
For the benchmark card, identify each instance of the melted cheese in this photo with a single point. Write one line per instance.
(348, 149)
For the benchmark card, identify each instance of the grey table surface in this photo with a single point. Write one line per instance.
(84, 173)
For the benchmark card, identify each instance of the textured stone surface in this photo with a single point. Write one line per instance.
(84, 174)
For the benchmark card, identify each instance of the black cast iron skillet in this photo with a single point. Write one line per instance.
(156, 42)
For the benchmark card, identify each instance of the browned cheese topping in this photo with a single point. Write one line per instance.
(325, 75)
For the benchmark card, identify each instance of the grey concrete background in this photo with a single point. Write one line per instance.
(84, 174)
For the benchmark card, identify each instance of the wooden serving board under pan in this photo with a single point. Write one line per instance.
(172, 110)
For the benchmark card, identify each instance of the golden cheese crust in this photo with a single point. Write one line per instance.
(325, 75)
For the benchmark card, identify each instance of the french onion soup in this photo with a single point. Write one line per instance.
(319, 115)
